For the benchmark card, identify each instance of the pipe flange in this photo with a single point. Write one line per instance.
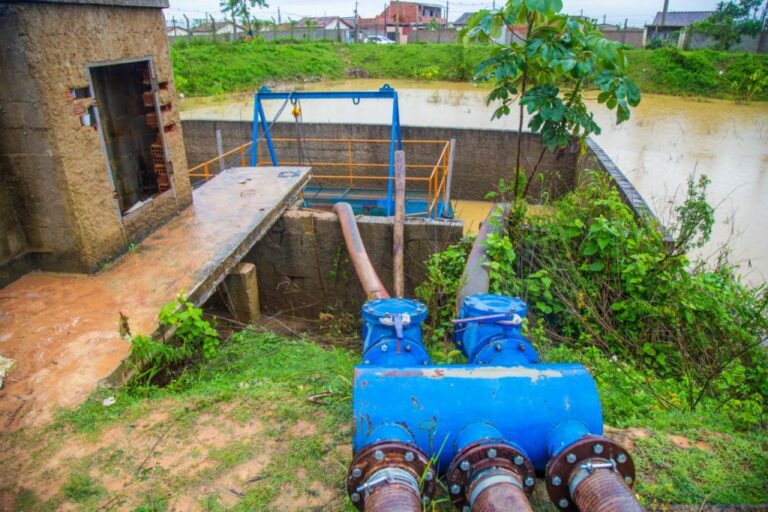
(577, 457)
(484, 455)
(380, 456)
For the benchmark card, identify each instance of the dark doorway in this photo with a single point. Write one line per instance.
(130, 125)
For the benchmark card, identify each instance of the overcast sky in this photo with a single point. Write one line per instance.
(638, 12)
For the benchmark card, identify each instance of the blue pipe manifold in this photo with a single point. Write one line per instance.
(502, 404)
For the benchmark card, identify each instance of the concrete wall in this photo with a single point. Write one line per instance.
(433, 36)
(752, 44)
(303, 267)
(57, 165)
(482, 157)
(630, 36)
(13, 243)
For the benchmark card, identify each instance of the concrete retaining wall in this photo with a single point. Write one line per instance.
(482, 157)
(303, 267)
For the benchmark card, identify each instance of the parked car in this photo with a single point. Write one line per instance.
(379, 40)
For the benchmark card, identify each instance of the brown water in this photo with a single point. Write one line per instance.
(667, 140)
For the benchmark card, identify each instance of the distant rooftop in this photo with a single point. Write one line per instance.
(462, 20)
(681, 18)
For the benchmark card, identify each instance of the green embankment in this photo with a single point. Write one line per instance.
(205, 68)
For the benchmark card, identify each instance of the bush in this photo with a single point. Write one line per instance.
(596, 276)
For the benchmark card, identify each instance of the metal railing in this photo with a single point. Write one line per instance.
(430, 178)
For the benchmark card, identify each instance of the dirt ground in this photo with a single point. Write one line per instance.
(173, 459)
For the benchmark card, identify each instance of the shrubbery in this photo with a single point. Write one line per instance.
(596, 276)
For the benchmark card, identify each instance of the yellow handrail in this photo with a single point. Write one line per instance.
(436, 181)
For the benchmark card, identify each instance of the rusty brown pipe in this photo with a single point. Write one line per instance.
(393, 498)
(370, 281)
(604, 491)
(475, 278)
(499, 490)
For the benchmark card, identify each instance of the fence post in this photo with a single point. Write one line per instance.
(349, 161)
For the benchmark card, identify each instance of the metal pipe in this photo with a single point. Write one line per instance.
(399, 225)
(604, 490)
(498, 491)
(393, 497)
(370, 281)
(475, 277)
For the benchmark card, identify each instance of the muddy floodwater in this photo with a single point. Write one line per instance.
(667, 140)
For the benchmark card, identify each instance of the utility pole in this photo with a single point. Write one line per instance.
(397, 23)
(624, 34)
(603, 19)
(189, 31)
(494, 4)
(386, 10)
(234, 26)
(279, 17)
(357, 25)
(213, 26)
(447, 10)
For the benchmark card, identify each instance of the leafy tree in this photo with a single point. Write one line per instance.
(293, 25)
(433, 25)
(554, 49)
(241, 9)
(730, 21)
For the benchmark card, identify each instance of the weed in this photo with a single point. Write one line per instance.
(80, 488)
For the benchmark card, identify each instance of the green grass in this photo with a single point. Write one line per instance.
(206, 68)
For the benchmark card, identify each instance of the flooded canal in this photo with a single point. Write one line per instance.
(667, 140)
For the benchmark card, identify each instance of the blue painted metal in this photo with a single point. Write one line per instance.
(392, 333)
(437, 403)
(384, 93)
(511, 397)
(390, 432)
(488, 331)
(564, 434)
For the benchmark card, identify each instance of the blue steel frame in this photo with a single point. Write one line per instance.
(384, 93)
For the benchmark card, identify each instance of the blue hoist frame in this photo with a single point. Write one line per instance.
(386, 92)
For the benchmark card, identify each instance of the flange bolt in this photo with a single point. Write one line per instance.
(355, 497)
(621, 458)
(556, 480)
(409, 456)
(529, 481)
(563, 503)
(491, 453)
(519, 460)
(455, 489)
(571, 458)
(465, 465)
(598, 449)
(357, 472)
(378, 455)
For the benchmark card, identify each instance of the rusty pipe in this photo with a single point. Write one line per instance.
(475, 278)
(370, 281)
(603, 490)
(393, 497)
(499, 490)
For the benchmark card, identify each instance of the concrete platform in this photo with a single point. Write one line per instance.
(62, 329)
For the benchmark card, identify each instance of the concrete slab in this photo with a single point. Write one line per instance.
(63, 329)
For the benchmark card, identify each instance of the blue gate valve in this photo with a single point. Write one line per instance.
(488, 331)
(392, 333)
